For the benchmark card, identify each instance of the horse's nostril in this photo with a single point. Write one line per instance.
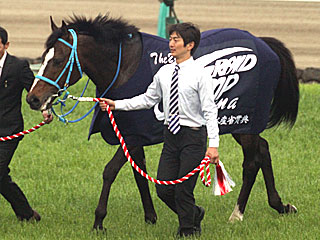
(34, 102)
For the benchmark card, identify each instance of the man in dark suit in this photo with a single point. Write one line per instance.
(15, 75)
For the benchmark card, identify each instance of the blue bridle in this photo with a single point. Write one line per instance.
(74, 57)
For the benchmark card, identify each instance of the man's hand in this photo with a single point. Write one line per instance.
(47, 116)
(103, 104)
(213, 153)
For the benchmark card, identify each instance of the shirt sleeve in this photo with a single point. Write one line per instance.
(146, 100)
(209, 108)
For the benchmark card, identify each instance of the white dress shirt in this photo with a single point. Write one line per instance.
(2, 61)
(196, 100)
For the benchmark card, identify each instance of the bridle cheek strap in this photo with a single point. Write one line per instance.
(73, 57)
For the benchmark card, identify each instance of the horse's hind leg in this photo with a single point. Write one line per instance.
(150, 215)
(256, 156)
(273, 196)
(109, 174)
(251, 166)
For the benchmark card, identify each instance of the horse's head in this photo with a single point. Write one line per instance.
(60, 68)
(98, 45)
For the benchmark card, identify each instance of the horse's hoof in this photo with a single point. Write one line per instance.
(290, 209)
(100, 229)
(152, 220)
(235, 218)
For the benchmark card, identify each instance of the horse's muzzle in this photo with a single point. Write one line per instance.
(34, 102)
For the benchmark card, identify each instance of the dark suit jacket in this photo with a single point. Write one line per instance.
(16, 75)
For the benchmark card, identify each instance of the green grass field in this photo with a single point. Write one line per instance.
(61, 174)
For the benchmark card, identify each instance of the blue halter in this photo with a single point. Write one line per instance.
(73, 56)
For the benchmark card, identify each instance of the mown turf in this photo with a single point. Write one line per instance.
(61, 174)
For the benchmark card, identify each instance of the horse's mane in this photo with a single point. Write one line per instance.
(102, 28)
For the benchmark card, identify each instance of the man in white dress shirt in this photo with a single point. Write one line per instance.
(183, 149)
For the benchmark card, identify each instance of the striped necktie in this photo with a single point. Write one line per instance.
(174, 125)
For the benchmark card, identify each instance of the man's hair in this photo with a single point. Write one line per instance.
(3, 35)
(188, 32)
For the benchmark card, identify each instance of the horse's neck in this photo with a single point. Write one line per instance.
(103, 74)
(130, 59)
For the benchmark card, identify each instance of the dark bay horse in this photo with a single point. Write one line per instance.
(97, 48)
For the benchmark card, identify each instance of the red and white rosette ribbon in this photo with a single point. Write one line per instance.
(3, 139)
(222, 181)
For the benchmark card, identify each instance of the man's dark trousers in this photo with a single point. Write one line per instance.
(181, 153)
(8, 188)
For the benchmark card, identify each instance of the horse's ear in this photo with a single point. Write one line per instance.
(53, 25)
(64, 27)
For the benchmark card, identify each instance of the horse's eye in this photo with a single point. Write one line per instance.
(57, 61)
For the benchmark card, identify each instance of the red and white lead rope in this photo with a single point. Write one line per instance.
(204, 162)
(223, 181)
(204, 165)
(3, 139)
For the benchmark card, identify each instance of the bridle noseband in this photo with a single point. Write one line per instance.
(73, 57)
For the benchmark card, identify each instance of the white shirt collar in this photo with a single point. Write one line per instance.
(3, 59)
(186, 62)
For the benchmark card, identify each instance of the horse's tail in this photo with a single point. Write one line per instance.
(284, 106)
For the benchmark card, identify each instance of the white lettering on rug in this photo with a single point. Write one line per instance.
(225, 73)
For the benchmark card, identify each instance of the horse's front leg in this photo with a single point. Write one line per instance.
(251, 166)
(150, 215)
(273, 196)
(109, 174)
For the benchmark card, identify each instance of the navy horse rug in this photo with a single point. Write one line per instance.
(243, 67)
